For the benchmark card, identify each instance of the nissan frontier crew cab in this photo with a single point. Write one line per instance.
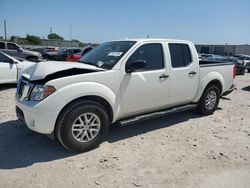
(119, 81)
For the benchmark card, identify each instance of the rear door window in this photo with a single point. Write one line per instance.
(76, 51)
(2, 45)
(180, 55)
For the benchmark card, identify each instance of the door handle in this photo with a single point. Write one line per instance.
(192, 73)
(163, 76)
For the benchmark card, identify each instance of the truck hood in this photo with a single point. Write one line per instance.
(42, 70)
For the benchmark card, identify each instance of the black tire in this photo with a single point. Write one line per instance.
(248, 70)
(33, 59)
(68, 117)
(242, 72)
(202, 107)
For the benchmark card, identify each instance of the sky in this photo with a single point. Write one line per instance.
(201, 21)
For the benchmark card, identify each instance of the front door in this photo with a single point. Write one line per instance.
(147, 88)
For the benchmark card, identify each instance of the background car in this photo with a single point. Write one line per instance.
(62, 54)
(243, 59)
(77, 57)
(240, 69)
(11, 68)
(13, 49)
(248, 67)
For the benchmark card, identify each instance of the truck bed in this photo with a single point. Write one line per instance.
(204, 63)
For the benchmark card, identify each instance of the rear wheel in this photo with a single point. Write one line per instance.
(82, 126)
(209, 100)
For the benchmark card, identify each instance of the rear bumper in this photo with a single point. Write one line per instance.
(233, 87)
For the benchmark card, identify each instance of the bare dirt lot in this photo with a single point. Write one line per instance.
(180, 150)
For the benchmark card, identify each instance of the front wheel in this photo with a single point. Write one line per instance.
(209, 100)
(82, 126)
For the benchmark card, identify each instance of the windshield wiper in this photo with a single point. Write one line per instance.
(88, 63)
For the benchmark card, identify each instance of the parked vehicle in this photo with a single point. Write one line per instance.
(77, 57)
(62, 54)
(13, 49)
(204, 56)
(119, 81)
(11, 68)
(243, 59)
(248, 67)
(51, 49)
(240, 69)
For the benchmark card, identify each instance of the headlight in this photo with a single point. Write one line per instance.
(40, 92)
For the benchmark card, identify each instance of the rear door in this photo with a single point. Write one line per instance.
(184, 73)
(146, 89)
(8, 70)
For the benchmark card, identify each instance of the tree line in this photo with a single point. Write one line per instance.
(36, 40)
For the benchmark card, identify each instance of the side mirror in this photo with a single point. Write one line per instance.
(135, 65)
(19, 49)
(11, 61)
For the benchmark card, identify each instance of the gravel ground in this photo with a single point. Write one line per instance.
(180, 150)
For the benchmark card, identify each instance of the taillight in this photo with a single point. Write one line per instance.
(234, 73)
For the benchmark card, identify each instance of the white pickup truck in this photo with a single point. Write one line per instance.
(119, 81)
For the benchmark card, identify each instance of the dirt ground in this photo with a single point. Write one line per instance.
(180, 150)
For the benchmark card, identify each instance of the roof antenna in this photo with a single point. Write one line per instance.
(148, 36)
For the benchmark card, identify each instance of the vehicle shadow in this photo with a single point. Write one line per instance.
(247, 88)
(21, 147)
(118, 133)
(225, 98)
(7, 86)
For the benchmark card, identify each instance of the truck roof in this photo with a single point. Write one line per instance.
(153, 40)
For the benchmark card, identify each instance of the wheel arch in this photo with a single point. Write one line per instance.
(95, 98)
(217, 81)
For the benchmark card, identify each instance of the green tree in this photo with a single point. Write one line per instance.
(32, 39)
(12, 39)
(54, 36)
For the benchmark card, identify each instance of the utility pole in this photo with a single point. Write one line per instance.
(51, 33)
(70, 34)
(5, 32)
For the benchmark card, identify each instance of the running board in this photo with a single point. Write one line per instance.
(157, 114)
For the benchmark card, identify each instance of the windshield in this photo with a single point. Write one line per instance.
(62, 51)
(107, 54)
